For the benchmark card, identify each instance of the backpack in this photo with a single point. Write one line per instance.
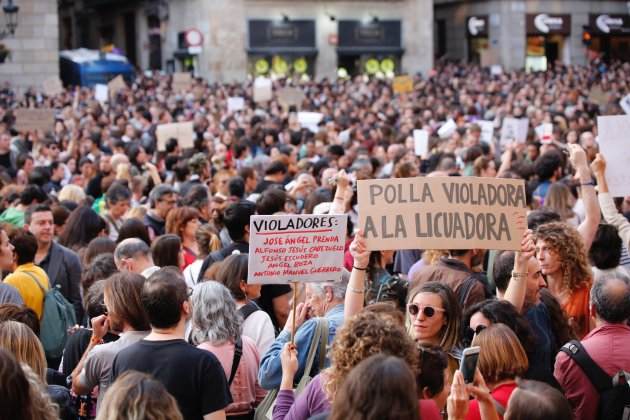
(614, 392)
(388, 288)
(57, 317)
(264, 411)
(463, 292)
(248, 309)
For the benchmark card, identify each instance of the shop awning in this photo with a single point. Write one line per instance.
(292, 51)
(370, 50)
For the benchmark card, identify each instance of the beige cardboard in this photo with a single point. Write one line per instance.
(598, 96)
(289, 248)
(116, 84)
(181, 82)
(27, 119)
(489, 58)
(402, 84)
(183, 132)
(52, 86)
(613, 143)
(290, 96)
(395, 213)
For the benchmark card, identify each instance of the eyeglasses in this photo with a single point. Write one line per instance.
(470, 333)
(428, 311)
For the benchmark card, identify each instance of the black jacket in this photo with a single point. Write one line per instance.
(64, 270)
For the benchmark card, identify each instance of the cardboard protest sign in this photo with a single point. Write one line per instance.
(625, 104)
(442, 213)
(183, 132)
(27, 119)
(545, 132)
(488, 58)
(290, 96)
(236, 103)
(447, 129)
(116, 84)
(421, 142)
(305, 248)
(487, 131)
(181, 82)
(262, 90)
(496, 70)
(514, 129)
(613, 142)
(310, 120)
(52, 86)
(402, 84)
(598, 96)
(101, 93)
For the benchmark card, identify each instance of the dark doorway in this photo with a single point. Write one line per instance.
(130, 38)
(155, 43)
(552, 51)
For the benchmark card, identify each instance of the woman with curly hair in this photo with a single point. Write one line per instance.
(366, 334)
(563, 261)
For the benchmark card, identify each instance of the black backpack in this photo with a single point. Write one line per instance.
(248, 309)
(466, 287)
(388, 288)
(614, 392)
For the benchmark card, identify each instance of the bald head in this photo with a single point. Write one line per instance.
(610, 298)
(133, 255)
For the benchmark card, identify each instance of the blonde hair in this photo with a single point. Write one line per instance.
(41, 407)
(137, 396)
(21, 341)
(502, 357)
(137, 212)
(558, 198)
(72, 193)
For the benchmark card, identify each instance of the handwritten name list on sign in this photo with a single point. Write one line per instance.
(307, 248)
(442, 213)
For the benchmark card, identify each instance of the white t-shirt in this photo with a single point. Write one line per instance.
(258, 327)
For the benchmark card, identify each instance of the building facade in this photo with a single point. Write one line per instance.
(532, 33)
(33, 49)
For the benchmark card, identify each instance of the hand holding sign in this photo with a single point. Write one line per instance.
(359, 251)
(577, 156)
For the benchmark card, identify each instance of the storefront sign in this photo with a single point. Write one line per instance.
(442, 213)
(610, 24)
(383, 33)
(546, 24)
(292, 248)
(477, 26)
(271, 33)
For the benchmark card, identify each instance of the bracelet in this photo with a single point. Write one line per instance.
(354, 267)
(96, 340)
(586, 184)
(353, 290)
(516, 275)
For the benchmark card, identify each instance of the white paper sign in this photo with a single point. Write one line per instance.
(236, 103)
(496, 70)
(421, 142)
(487, 131)
(183, 132)
(447, 129)
(101, 93)
(305, 248)
(545, 133)
(262, 90)
(613, 142)
(625, 104)
(310, 120)
(514, 129)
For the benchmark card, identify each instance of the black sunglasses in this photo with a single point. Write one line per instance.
(470, 333)
(428, 311)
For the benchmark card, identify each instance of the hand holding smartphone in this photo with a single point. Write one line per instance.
(468, 364)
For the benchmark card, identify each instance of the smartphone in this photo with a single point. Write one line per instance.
(468, 364)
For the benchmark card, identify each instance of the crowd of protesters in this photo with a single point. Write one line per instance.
(149, 250)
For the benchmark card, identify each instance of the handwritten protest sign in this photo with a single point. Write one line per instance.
(262, 90)
(181, 82)
(101, 93)
(52, 86)
(625, 104)
(545, 133)
(442, 213)
(487, 131)
(488, 57)
(183, 132)
(421, 142)
(598, 96)
(310, 120)
(290, 96)
(402, 84)
(613, 142)
(514, 129)
(27, 119)
(305, 248)
(116, 84)
(447, 129)
(236, 103)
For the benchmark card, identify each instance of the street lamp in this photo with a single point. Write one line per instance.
(11, 16)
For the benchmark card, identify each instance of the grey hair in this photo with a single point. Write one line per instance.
(611, 304)
(338, 288)
(160, 191)
(215, 317)
(130, 248)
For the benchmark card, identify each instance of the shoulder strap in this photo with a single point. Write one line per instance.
(238, 352)
(465, 288)
(323, 342)
(600, 379)
(36, 281)
(248, 309)
(313, 346)
(498, 406)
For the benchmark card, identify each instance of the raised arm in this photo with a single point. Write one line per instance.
(355, 293)
(517, 287)
(588, 228)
